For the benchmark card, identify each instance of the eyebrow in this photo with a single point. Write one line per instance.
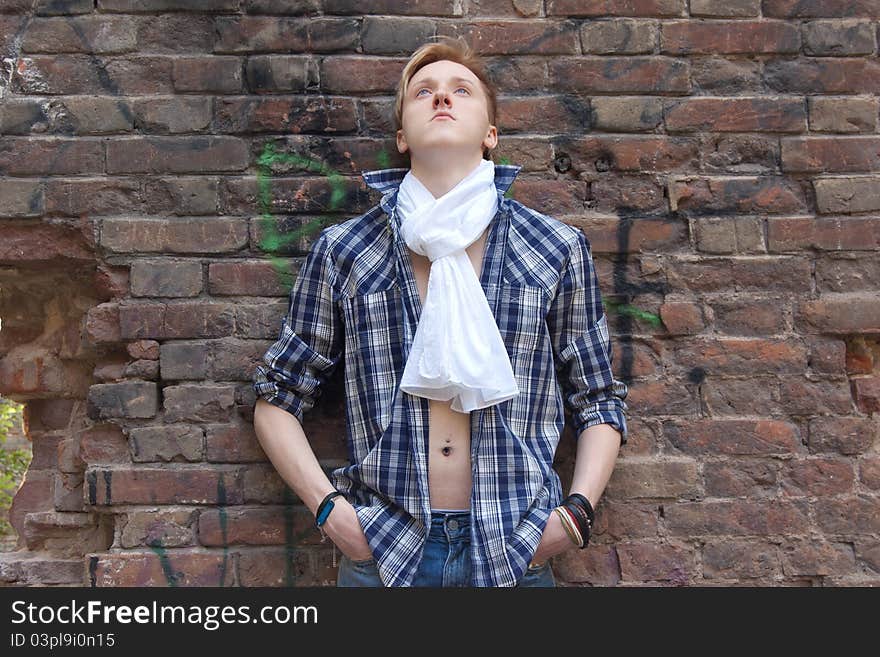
(432, 80)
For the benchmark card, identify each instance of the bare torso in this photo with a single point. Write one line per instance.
(449, 432)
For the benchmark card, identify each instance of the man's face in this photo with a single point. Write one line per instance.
(445, 87)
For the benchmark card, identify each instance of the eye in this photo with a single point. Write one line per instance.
(418, 93)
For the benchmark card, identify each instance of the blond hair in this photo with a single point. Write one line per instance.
(455, 50)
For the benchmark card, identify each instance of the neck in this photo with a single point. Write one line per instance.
(439, 177)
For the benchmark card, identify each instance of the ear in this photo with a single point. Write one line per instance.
(401, 142)
(491, 140)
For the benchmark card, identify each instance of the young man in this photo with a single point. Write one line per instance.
(460, 314)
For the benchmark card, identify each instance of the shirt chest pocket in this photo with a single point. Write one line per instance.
(521, 318)
(375, 322)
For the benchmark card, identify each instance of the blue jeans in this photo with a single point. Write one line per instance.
(445, 562)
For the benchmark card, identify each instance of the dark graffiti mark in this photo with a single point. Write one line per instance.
(172, 578)
(222, 503)
(562, 163)
(92, 480)
(108, 479)
(93, 571)
(290, 540)
(11, 58)
(107, 83)
(625, 312)
(17, 67)
(697, 375)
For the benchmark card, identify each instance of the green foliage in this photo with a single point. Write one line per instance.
(13, 462)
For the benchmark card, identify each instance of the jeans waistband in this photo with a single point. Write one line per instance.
(450, 526)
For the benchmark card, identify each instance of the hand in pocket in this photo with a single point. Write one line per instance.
(554, 540)
(344, 529)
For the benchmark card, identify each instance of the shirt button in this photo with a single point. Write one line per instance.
(453, 524)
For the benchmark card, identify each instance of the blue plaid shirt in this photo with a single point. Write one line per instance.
(356, 296)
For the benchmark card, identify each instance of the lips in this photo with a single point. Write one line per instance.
(443, 115)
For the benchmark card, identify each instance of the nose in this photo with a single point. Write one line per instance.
(441, 97)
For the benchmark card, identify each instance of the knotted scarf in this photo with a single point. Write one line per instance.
(457, 351)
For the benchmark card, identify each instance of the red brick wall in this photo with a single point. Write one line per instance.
(723, 158)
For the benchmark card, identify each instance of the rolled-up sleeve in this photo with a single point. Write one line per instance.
(310, 344)
(582, 346)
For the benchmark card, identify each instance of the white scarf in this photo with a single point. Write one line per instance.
(457, 351)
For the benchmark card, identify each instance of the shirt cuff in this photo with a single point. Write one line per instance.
(615, 417)
(289, 402)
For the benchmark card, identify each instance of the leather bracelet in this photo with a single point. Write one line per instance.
(579, 511)
(586, 504)
(582, 515)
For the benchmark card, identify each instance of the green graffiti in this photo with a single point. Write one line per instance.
(632, 311)
(272, 241)
(383, 159)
